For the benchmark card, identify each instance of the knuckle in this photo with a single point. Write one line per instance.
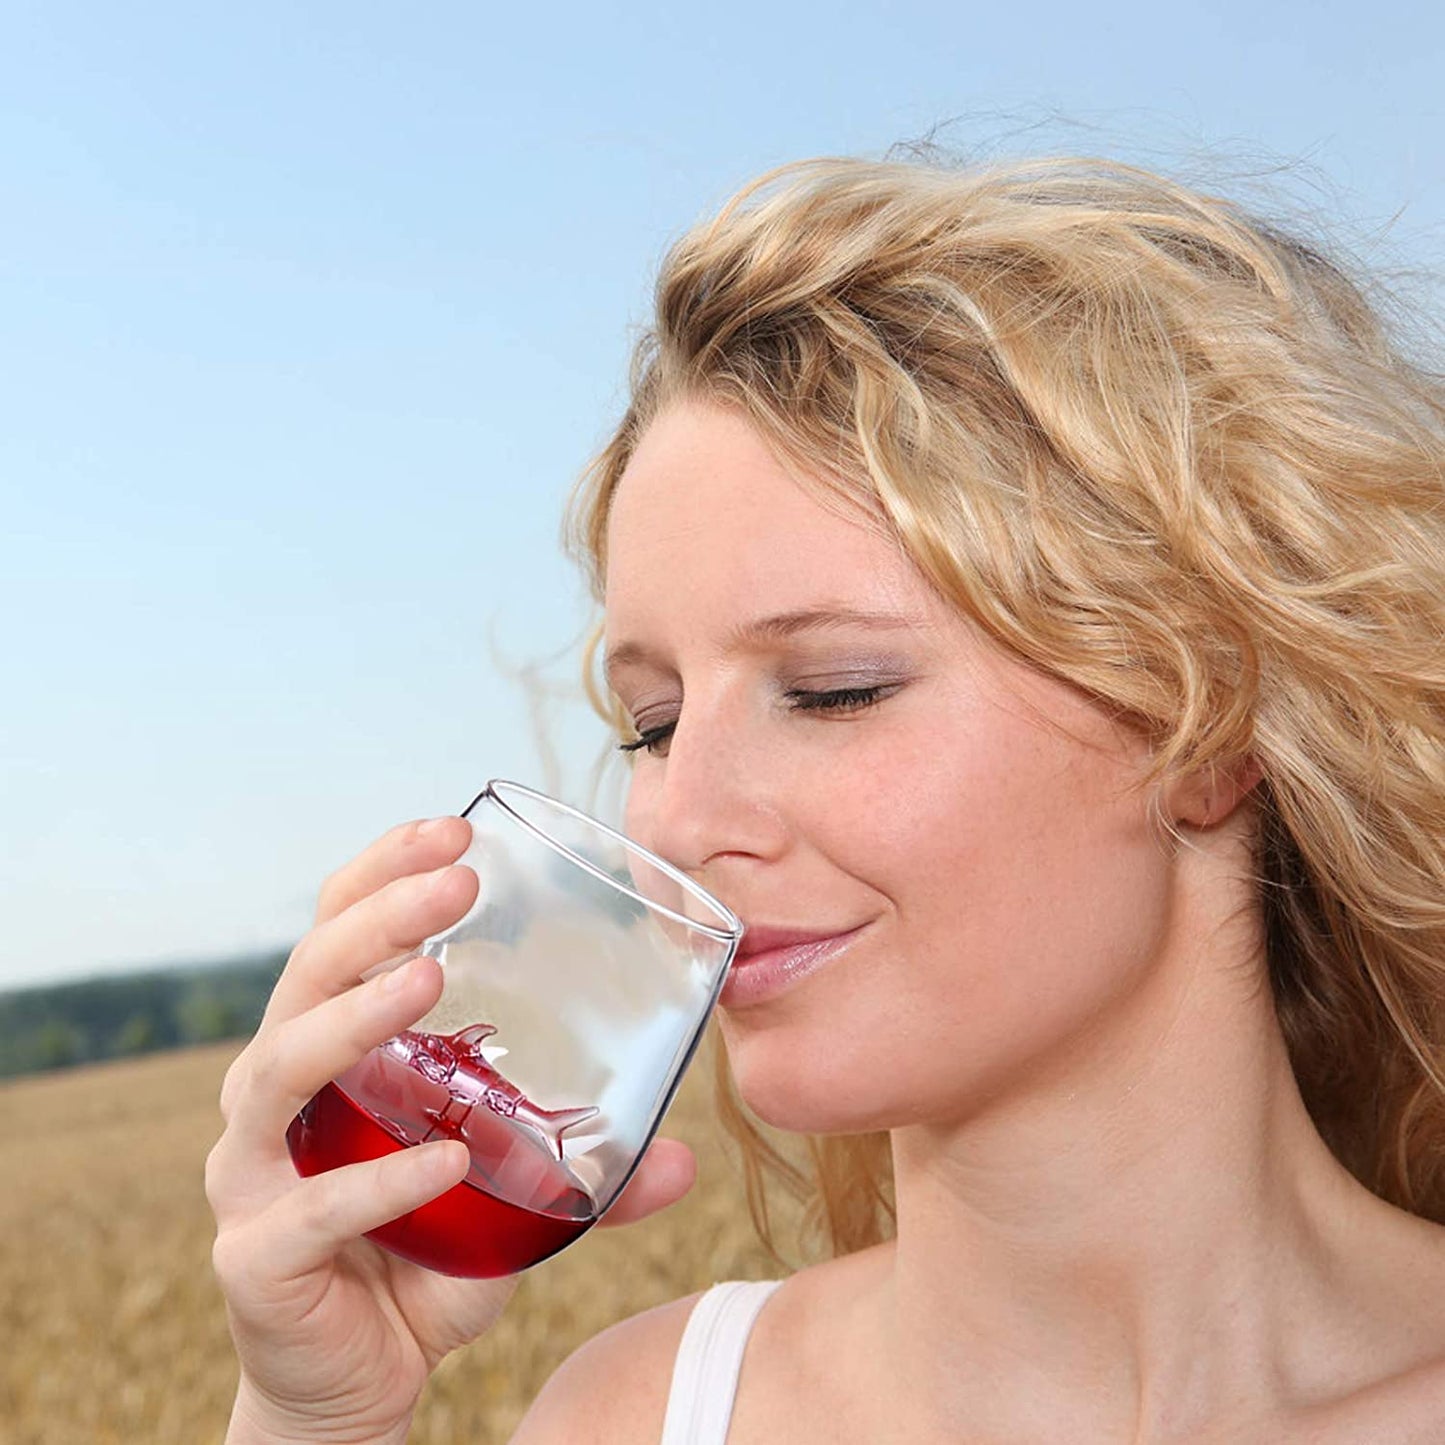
(230, 1258)
(234, 1082)
(215, 1176)
(319, 1201)
(300, 962)
(331, 895)
(261, 1079)
(225, 1184)
(268, 1075)
(271, 1075)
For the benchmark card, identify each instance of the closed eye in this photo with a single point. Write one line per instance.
(649, 738)
(837, 699)
(840, 699)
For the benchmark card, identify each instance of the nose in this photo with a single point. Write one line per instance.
(711, 804)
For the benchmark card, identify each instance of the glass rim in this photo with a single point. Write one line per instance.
(732, 928)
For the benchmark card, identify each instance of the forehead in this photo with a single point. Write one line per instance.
(710, 535)
(706, 512)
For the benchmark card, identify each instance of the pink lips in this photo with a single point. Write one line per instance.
(771, 960)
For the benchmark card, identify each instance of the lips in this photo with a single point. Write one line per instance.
(771, 960)
(758, 938)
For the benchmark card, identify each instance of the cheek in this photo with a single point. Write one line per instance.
(1024, 905)
(637, 811)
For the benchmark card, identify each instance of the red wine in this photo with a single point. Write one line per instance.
(396, 1097)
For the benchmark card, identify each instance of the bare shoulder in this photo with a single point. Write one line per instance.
(1386, 1379)
(613, 1388)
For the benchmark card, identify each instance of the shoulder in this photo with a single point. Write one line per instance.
(613, 1388)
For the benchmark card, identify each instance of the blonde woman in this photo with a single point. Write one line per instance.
(1024, 594)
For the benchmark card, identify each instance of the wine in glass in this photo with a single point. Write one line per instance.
(576, 991)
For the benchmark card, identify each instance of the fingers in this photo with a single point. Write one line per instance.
(376, 928)
(290, 1062)
(667, 1171)
(282, 1067)
(304, 1229)
(418, 847)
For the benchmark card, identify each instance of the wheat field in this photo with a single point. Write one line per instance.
(112, 1328)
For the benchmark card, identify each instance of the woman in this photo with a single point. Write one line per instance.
(1024, 594)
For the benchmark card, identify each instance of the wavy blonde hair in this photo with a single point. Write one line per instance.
(1169, 454)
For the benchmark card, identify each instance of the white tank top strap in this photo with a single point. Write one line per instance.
(709, 1359)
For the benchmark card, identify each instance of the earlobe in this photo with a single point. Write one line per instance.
(1208, 797)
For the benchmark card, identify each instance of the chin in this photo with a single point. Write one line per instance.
(795, 1079)
(802, 1091)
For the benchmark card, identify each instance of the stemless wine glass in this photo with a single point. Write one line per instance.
(576, 991)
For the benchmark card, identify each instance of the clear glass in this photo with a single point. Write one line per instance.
(576, 992)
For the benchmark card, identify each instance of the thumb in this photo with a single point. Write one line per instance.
(667, 1171)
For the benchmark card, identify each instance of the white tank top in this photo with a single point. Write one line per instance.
(709, 1357)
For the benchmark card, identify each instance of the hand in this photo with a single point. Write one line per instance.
(336, 1337)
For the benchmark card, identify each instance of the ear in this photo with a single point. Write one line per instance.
(1207, 797)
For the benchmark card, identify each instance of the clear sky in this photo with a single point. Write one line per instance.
(310, 314)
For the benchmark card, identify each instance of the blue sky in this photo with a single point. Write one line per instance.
(311, 314)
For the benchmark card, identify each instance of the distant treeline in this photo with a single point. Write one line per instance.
(55, 1025)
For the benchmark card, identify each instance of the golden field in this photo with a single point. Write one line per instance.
(112, 1328)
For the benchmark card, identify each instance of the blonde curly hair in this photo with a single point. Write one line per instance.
(1169, 454)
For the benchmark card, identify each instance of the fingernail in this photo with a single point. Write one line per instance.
(395, 981)
(431, 825)
(444, 1158)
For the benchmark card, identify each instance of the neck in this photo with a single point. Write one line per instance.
(1139, 1241)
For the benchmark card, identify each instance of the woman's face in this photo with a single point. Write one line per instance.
(834, 751)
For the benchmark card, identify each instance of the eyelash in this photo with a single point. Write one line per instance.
(835, 700)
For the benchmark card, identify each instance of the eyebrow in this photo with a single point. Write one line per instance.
(760, 631)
